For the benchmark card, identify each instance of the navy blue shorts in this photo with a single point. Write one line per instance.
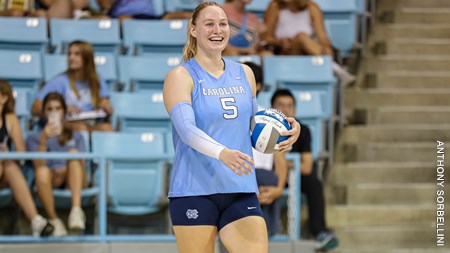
(213, 210)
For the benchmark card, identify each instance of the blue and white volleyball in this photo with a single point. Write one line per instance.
(267, 126)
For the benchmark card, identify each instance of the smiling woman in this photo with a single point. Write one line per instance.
(213, 185)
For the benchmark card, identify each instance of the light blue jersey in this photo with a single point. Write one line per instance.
(223, 108)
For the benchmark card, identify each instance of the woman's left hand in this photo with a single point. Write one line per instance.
(293, 134)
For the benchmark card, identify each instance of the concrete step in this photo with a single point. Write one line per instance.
(339, 216)
(389, 4)
(408, 115)
(392, 152)
(423, 47)
(408, 63)
(373, 98)
(436, 15)
(411, 31)
(392, 193)
(385, 172)
(408, 79)
(388, 237)
(395, 133)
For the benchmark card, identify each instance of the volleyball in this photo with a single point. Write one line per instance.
(266, 127)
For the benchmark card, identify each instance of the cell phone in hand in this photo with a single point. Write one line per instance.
(54, 118)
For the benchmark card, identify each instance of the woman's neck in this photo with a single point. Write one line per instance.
(77, 74)
(211, 63)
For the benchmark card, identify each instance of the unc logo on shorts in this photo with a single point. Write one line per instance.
(192, 213)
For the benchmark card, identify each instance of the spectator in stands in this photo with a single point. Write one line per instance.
(296, 27)
(10, 173)
(271, 172)
(82, 88)
(57, 137)
(311, 185)
(247, 31)
(16, 8)
(77, 9)
(128, 9)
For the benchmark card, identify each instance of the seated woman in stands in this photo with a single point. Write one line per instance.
(83, 91)
(296, 27)
(10, 173)
(71, 174)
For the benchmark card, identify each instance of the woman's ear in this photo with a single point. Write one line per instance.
(193, 31)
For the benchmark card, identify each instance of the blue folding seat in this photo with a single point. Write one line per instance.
(259, 7)
(21, 69)
(104, 34)
(340, 23)
(141, 112)
(303, 73)
(24, 34)
(309, 111)
(264, 98)
(136, 170)
(245, 58)
(146, 72)
(166, 36)
(105, 64)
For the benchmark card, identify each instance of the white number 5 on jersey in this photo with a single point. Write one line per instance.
(231, 109)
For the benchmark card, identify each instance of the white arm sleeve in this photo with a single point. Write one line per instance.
(183, 119)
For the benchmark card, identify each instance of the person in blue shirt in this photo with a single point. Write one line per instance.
(82, 88)
(71, 174)
(210, 101)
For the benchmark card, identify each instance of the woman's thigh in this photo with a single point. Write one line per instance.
(248, 235)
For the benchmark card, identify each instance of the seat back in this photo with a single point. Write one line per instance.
(104, 34)
(309, 112)
(146, 72)
(303, 73)
(340, 23)
(21, 69)
(24, 34)
(166, 36)
(259, 7)
(135, 185)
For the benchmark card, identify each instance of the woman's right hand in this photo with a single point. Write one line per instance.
(52, 128)
(236, 161)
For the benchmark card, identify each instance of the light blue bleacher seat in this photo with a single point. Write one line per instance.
(154, 36)
(303, 73)
(245, 58)
(105, 64)
(259, 7)
(25, 34)
(136, 177)
(308, 110)
(104, 34)
(340, 23)
(264, 98)
(21, 69)
(142, 112)
(146, 72)
(23, 99)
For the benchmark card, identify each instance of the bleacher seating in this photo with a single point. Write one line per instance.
(133, 167)
(104, 34)
(21, 69)
(259, 7)
(303, 73)
(166, 36)
(25, 34)
(146, 72)
(340, 23)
